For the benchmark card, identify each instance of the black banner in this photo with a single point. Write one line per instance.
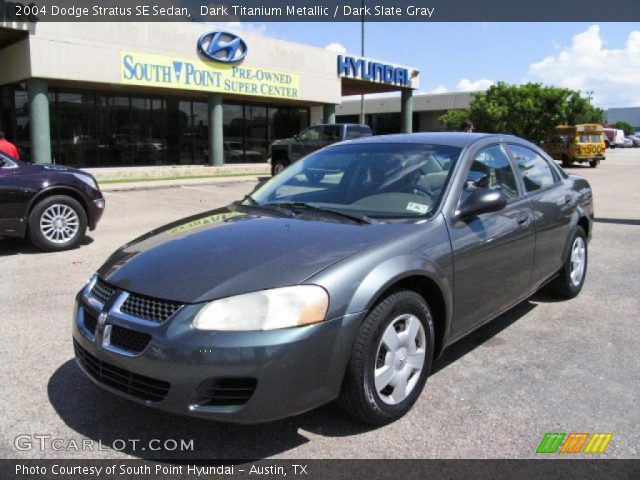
(321, 10)
(584, 469)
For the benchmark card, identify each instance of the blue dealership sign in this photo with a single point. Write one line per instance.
(372, 71)
(223, 47)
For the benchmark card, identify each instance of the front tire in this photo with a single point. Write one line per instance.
(57, 223)
(571, 277)
(594, 163)
(278, 165)
(390, 360)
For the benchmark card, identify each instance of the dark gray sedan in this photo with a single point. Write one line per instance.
(343, 277)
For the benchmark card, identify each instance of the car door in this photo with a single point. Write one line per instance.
(552, 204)
(492, 252)
(13, 196)
(307, 142)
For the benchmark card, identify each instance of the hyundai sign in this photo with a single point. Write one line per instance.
(223, 47)
(372, 71)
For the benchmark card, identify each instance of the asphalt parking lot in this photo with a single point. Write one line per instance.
(546, 366)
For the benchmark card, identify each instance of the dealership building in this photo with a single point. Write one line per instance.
(128, 94)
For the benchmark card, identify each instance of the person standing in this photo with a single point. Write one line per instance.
(7, 147)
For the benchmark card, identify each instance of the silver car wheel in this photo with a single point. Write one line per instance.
(59, 223)
(400, 359)
(578, 261)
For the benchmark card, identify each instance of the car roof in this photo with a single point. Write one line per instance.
(453, 139)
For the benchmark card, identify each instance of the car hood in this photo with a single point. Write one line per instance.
(230, 251)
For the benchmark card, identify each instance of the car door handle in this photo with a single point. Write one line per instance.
(523, 220)
(567, 200)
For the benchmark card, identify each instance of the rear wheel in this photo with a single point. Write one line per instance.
(571, 277)
(57, 223)
(594, 163)
(566, 163)
(390, 360)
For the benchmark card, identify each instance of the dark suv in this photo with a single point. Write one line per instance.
(52, 205)
(290, 150)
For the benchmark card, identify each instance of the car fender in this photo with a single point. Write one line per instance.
(58, 189)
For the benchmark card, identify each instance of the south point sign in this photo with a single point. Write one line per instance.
(372, 71)
(188, 74)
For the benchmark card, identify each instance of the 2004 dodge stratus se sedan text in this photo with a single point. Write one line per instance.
(342, 277)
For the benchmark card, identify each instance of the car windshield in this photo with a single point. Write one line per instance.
(375, 180)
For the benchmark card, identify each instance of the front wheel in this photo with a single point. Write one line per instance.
(594, 163)
(574, 271)
(57, 223)
(278, 166)
(390, 360)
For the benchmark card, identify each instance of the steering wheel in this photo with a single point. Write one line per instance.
(423, 190)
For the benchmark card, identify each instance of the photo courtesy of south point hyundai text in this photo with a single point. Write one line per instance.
(386, 239)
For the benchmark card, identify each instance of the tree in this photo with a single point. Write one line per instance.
(527, 111)
(624, 126)
(452, 120)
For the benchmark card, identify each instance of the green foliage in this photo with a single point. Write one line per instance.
(626, 127)
(527, 110)
(452, 120)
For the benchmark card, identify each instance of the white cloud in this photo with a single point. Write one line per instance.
(466, 85)
(612, 74)
(336, 47)
(440, 89)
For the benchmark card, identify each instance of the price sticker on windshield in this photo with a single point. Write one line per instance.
(417, 207)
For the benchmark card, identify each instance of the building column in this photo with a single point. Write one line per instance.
(406, 111)
(329, 113)
(216, 136)
(39, 120)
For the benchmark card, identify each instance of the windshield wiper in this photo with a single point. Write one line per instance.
(252, 203)
(330, 211)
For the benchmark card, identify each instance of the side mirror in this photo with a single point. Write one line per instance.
(480, 200)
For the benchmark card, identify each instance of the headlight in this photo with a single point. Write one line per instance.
(88, 179)
(265, 310)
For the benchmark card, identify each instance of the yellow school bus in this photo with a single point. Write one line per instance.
(580, 143)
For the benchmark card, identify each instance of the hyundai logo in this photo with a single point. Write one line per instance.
(222, 47)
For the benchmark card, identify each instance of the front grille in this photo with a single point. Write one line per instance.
(148, 308)
(225, 392)
(140, 386)
(102, 292)
(90, 321)
(129, 340)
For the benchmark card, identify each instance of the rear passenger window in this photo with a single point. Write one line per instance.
(491, 169)
(535, 170)
(357, 132)
(332, 133)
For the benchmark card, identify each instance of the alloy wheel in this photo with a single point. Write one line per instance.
(59, 223)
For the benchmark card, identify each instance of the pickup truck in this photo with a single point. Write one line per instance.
(289, 150)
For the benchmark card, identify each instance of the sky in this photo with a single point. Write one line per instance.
(600, 57)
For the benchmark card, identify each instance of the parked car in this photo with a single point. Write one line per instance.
(290, 150)
(627, 143)
(635, 139)
(613, 137)
(234, 152)
(50, 205)
(346, 288)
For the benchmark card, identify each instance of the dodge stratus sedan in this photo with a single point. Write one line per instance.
(343, 277)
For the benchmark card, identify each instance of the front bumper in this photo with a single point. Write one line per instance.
(290, 370)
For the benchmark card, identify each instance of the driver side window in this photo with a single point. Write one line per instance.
(311, 134)
(491, 169)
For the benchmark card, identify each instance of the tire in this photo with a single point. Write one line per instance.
(594, 163)
(360, 396)
(278, 166)
(566, 163)
(566, 285)
(57, 223)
